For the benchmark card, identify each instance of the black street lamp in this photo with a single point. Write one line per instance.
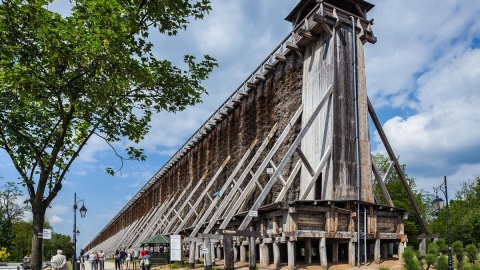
(76, 232)
(438, 205)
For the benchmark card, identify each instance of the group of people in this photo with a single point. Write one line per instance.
(123, 258)
(97, 260)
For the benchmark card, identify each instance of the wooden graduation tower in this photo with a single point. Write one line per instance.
(283, 168)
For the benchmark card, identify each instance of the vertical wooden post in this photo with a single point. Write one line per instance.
(351, 253)
(191, 255)
(264, 256)
(322, 251)
(228, 251)
(276, 255)
(308, 251)
(291, 254)
(252, 256)
(219, 252)
(335, 246)
(243, 253)
(376, 255)
(206, 256)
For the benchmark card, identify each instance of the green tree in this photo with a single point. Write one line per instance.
(10, 212)
(67, 78)
(400, 199)
(472, 252)
(458, 250)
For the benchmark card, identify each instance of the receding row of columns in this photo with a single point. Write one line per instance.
(214, 252)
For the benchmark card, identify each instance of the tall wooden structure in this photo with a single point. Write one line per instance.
(283, 167)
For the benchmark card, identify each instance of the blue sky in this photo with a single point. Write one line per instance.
(423, 78)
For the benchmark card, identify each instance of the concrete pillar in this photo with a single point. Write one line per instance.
(207, 256)
(308, 251)
(376, 252)
(322, 251)
(335, 246)
(243, 254)
(276, 255)
(264, 256)
(235, 253)
(401, 248)
(191, 255)
(384, 250)
(423, 247)
(351, 253)
(291, 254)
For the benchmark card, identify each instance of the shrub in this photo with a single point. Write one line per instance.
(457, 248)
(4, 255)
(410, 261)
(442, 245)
(476, 266)
(383, 268)
(431, 260)
(442, 262)
(432, 248)
(471, 251)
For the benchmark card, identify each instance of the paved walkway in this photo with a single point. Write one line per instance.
(108, 266)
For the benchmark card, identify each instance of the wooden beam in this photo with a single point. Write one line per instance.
(322, 163)
(399, 170)
(381, 184)
(285, 159)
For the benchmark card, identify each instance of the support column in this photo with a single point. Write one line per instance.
(322, 251)
(207, 257)
(291, 254)
(212, 253)
(423, 247)
(376, 252)
(191, 255)
(401, 248)
(308, 251)
(276, 255)
(264, 256)
(235, 253)
(252, 256)
(384, 250)
(228, 252)
(219, 252)
(243, 253)
(335, 246)
(351, 253)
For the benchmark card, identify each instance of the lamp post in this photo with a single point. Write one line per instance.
(76, 232)
(438, 205)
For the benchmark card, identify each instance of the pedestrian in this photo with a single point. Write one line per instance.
(128, 259)
(101, 260)
(117, 260)
(123, 255)
(146, 261)
(59, 261)
(92, 259)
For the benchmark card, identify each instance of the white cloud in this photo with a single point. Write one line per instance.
(55, 220)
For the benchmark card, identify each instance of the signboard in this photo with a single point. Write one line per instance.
(47, 233)
(252, 213)
(175, 248)
(205, 250)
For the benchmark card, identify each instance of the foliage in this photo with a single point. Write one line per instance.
(10, 212)
(410, 261)
(4, 255)
(471, 252)
(442, 245)
(457, 248)
(432, 248)
(430, 260)
(442, 262)
(91, 73)
(400, 199)
(383, 268)
(476, 266)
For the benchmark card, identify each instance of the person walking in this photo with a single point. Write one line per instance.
(128, 259)
(123, 256)
(92, 259)
(117, 260)
(146, 261)
(59, 261)
(101, 260)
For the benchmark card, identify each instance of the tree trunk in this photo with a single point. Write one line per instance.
(37, 243)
